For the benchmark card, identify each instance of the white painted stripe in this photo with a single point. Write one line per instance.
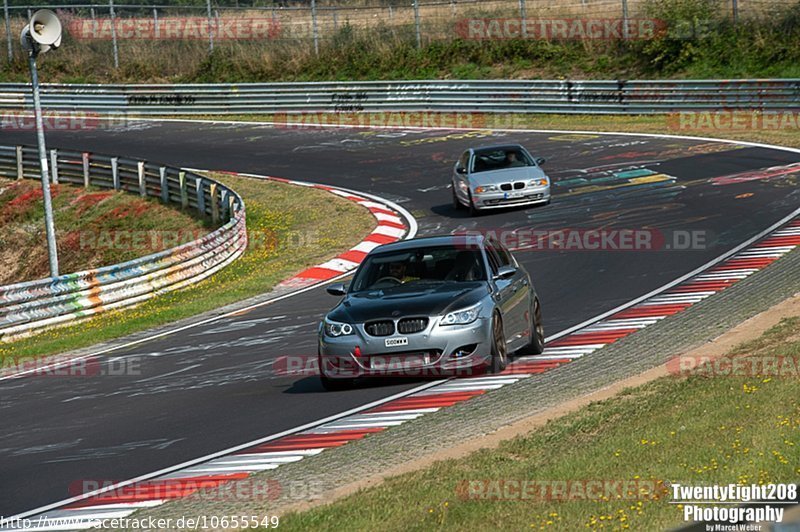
(388, 231)
(366, 247)
(341, 425)
(736, 272)
(497, 379)
(348, 195)
(254, 459)
(379, 419)
(583, 348)
(409, 411)
(789, 231)
(231, 469)
(381, 217)
(374, 205)
(121, 505)
(545, 358)
(468, 387)
(282, 454)
(339, 265)
(723, 277)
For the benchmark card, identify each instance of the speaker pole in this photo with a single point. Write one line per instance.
(52, 251)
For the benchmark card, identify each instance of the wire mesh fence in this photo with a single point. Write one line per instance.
(121, 32)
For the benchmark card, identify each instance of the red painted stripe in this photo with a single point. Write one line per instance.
(779, 240)
(735, 264)
(318, 273)
(380, 239)
(377, 210)
(311, 441)
(393, 225)
(281, 179)
(158, 489)
(646, 311)
(702, 286)
(534, 367)
(353, 255)
(600, 337)
(324, 187)
(427, 401)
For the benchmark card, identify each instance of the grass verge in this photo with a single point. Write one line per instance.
(694, 430)
(290, 228)
(95, 228)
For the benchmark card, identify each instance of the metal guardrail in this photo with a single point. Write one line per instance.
(35, 305)
(565, 96)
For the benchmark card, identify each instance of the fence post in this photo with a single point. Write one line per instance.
(54, 165)
(8, 31)
(210, 31)
(223, 200)
(625, 23)
(115, 172)
(162, 175)
(114, 33)
(142, 179)
(156, 31)
(314, 29)
(184, 192)
(19, 163)
(201, 198)
(85, 158)
(335, 20)
(735, 11)
(416, 23)
(214, 204)
(523, 15)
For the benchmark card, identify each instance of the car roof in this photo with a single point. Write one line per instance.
(430, 241)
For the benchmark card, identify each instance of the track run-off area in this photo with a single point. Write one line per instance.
(209, 388)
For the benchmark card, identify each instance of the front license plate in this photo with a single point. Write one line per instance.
(396, 342)
(516, 194)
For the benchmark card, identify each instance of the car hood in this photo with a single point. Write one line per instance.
(505, 175)
(422, 300)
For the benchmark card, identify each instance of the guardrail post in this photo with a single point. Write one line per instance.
(417, 24)
(85, 157)
(162, 174)
(115, 172)
(201, 198)
(20, 175)
(184, 192)
(142, 181)
(223, 201)
(214, 204)
(54, 165)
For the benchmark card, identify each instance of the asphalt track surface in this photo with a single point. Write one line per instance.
(213, 387)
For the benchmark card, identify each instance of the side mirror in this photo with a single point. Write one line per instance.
(337, 289)
(540, 161)
(505, 272)
(461, 171)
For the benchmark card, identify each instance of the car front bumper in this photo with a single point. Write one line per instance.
(436, 351)
(527, 196)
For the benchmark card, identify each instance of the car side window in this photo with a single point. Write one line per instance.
(505, 257)
(464, 160)
(494, 259)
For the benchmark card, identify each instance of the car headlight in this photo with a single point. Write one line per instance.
(335, 329)
(460, 317)
(485, 188)
(540, 182)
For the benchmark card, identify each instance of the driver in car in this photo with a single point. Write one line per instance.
(512, 160)
(397, 270)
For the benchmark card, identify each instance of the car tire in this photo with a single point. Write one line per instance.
(336, 385)
(536, 346)
(473, 210)
(499, 350)
(457, 205)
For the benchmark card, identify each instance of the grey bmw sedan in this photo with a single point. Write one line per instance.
(429, 307)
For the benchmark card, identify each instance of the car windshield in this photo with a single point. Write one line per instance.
(487, 160)
(420, 266)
